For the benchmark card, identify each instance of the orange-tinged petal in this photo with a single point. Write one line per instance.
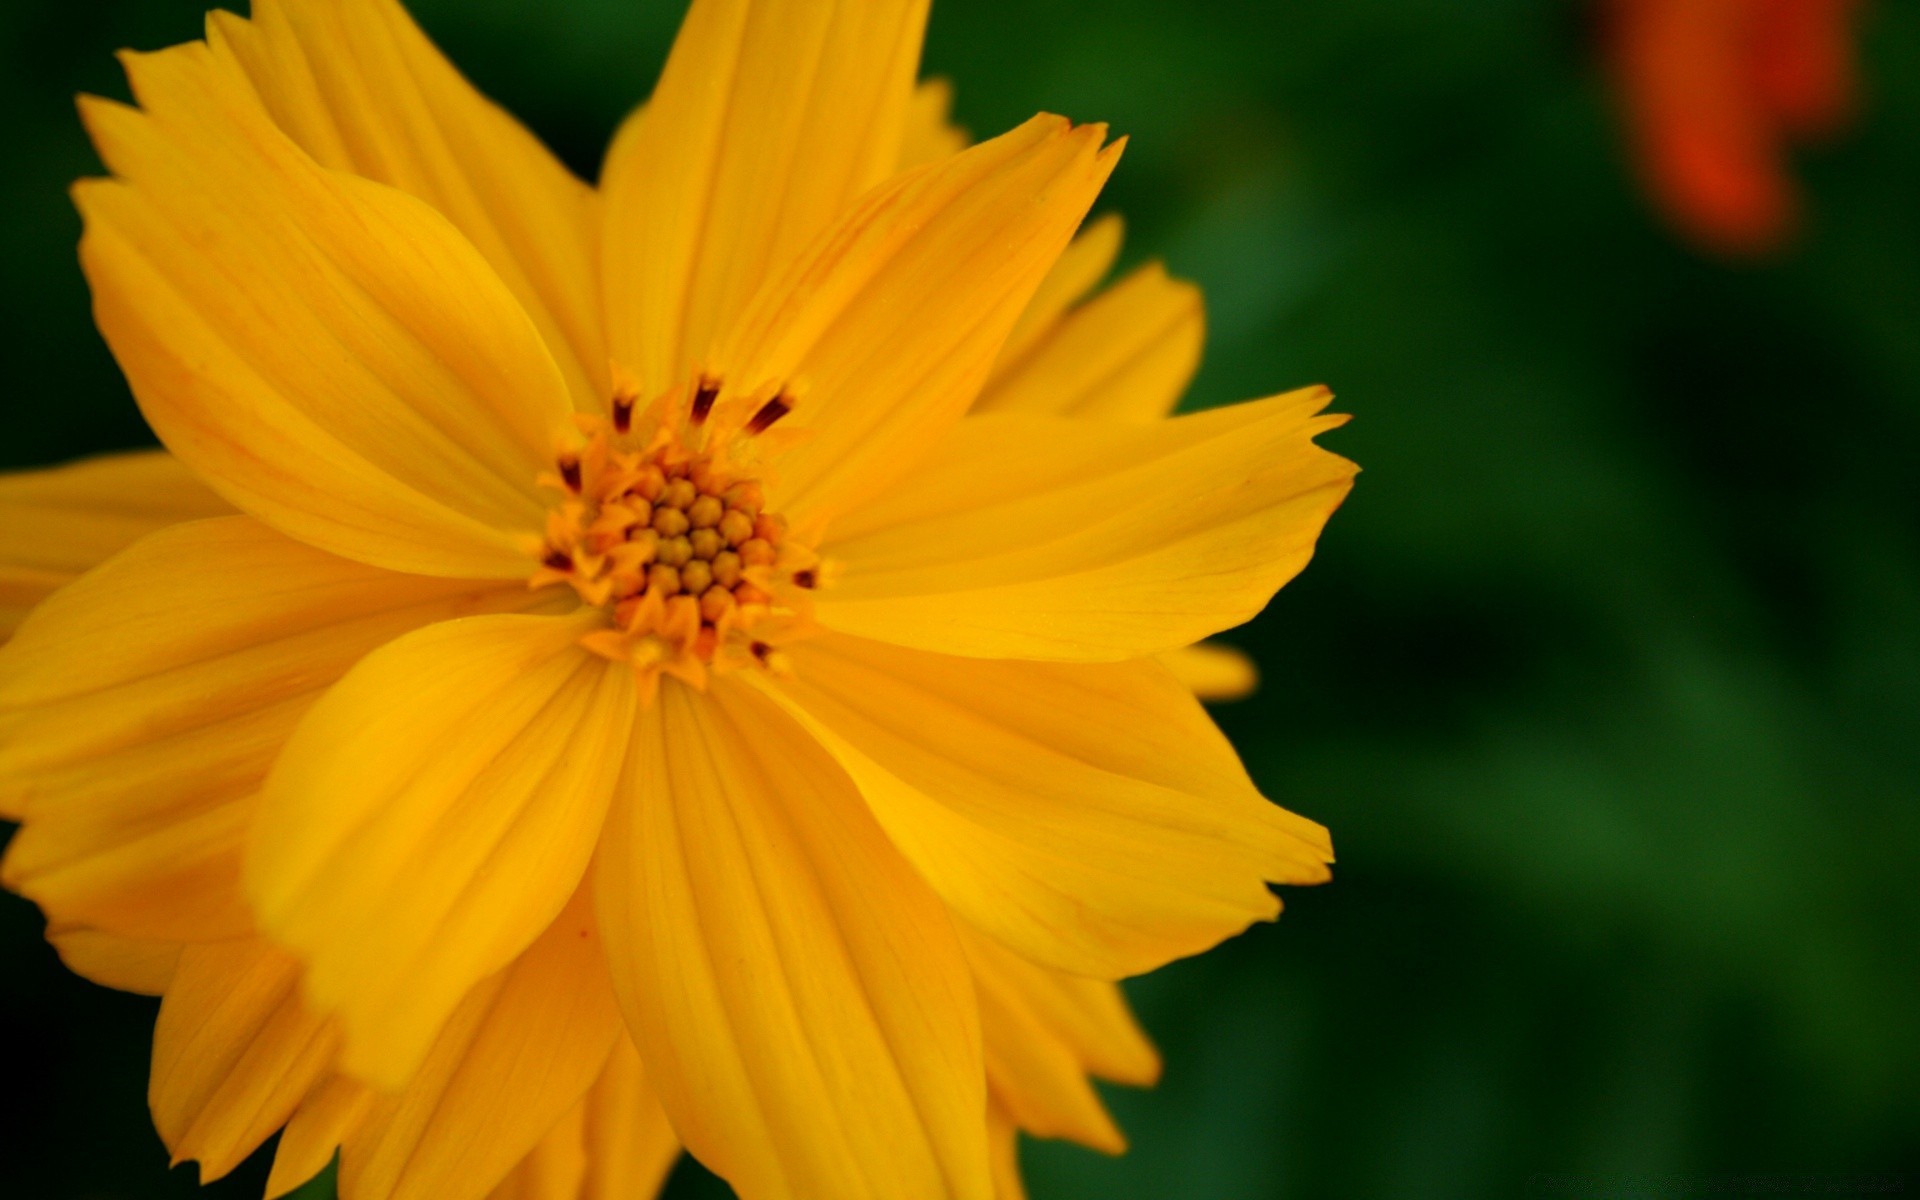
(1077, 271)
(1088, 1017)
(1127, 354)
(514, 1060)
(234, 1053)
(330, 354)
(554, 1169)
(796, 993)
(769, 119)
(329, 1114)
(1089, 816)
(930, 134)
(1132, 538)
(128, 964)
(142, 705)
(630, 1144)
(430, 816)
(59, 522)
(882, 333)
(1003, 1139)
(1213, 671)
(616, 1144)
(360, 88)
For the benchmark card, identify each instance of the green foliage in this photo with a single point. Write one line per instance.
(1607, 679)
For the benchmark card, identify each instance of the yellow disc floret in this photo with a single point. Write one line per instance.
(694, 573)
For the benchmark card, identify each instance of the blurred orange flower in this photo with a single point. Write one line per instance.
(1715, 91)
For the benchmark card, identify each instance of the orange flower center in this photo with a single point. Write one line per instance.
(677, 546)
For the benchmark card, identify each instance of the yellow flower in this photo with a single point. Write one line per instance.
(639, 705)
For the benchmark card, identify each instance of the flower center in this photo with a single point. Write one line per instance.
(677, 546)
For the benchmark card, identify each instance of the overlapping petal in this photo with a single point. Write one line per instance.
(615, 1145)
(1090, 816)
(234, 1052)
(769, 119)
(125, 964)
(1127, 354)
(141, 707)
(330, 354)
(62, 521)
(881, 334)
(1068, 539)
(1213, 671)
(430, 816)
(360, 88)
(517, 1056)
(797, 994)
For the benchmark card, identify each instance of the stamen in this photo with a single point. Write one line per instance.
(703, 398)
(769, 412)
(693, 573)
(623, 413)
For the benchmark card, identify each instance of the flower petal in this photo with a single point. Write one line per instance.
(930, 134)
(141, 707)
(330, 354)
(770, 118)
(1213, 671)
(332, 1111)
(1076, 540)
(514, 1060)
(430, 817)
(795, 991)
(630, 1145)
(1127, 354)
(1089, 816)
(234, 1053)
(127, 964)
(1079, 269)
(1003, 1141)
(57, 523)
(881, 334)
(615, 1145)
(1089, 1017)
(360, 88)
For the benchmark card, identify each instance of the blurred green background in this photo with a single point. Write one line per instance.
(1607, 679)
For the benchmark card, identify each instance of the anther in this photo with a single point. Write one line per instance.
(769, 412)
(622, 412)
(703, 398)
(570, 472)
(805, 579)
(558, 560)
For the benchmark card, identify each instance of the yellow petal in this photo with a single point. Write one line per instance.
(1038, 537)
(430, 817)
(330, 354)
(796, 992)
(1213, 671)
(930, 134)
(1089, 1017)
(630, 1146)
(883, 331)
(1003, 1140)
(329, 1114)
(1089, 816)
(360, 88)
(514, 1060)
(770, 117)
(234, 1052)
(142, 705)
(56, 523)
(1079, 269)
(554, 1169)
(1127, 354)
(145, 967)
